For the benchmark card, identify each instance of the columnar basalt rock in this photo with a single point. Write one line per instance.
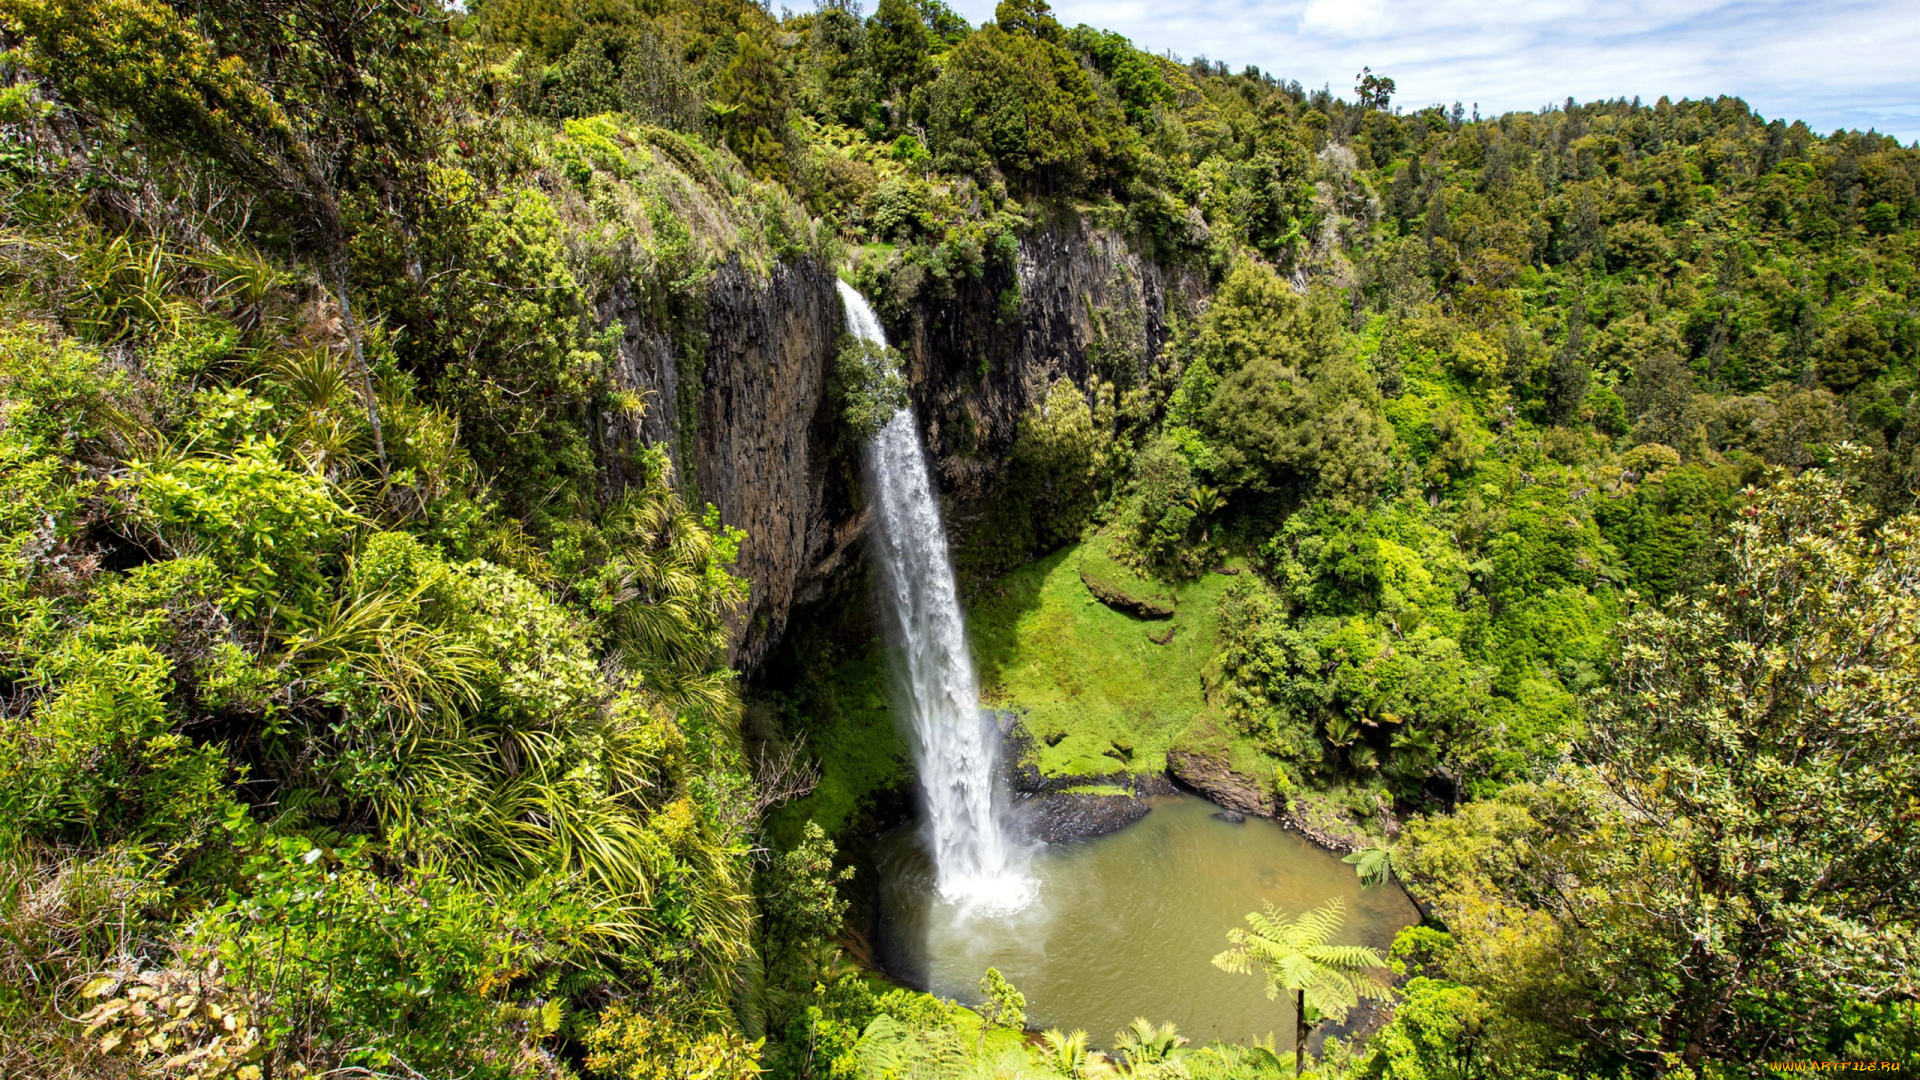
(737, 390)
(1088, 302)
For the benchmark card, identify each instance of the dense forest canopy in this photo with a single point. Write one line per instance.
(367, 707)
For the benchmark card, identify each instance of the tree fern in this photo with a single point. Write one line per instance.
(1297, 955)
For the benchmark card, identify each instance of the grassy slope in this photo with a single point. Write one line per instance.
(1044, 647)
(1073, 666)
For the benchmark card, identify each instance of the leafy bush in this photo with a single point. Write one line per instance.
(98, 761)
(363, 969)
(625, 1045)
(870, 384)
(264, 525)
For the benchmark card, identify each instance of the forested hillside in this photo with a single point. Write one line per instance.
(365, 638)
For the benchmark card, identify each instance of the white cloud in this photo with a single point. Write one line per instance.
(1837, 63)
(1344, 18)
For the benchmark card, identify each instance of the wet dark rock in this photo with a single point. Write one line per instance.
(1214, 778)
(1145, 784)
(1051, 810)
(736, 390)
(1317, 818)
(1063, 816)
(1232, 817)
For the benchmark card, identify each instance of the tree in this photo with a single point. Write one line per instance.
(1281, 429)
(1160, 516)
(1568, 377)
(1290, 413)
(1295, 955)
(546, 29)
(897, 46)
(1661, 401)
(801, 908)
(1001, 1006)
(1056, 468)
(1760, 749)
(1138, 78)
(1436, 1034)
(1374, 91)
(1028, 17)
(1206, 502)
(752, 106)
(623, 67)
(1010, 92)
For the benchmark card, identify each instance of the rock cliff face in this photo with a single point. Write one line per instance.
(1313, 816)
(1216, 780)
(737, 388)
(1088, 303)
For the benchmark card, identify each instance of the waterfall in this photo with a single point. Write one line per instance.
(955, 744)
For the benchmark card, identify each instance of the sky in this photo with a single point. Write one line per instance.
(1832, 63)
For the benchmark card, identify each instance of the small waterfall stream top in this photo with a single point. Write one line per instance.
(955, 744)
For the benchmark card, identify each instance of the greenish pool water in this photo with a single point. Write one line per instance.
(1127, 924)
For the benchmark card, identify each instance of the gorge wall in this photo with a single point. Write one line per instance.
(737, 387)
(1089, 302)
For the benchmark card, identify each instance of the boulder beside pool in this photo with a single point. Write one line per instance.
(1062, 816)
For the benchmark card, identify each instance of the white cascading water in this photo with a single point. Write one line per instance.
(955, 744)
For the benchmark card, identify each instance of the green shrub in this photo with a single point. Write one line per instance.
(627, 1045)
(99, 758)
(362, 969)
(267, 527)
(867, 377)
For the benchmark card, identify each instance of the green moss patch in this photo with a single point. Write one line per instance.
(1119, 586)
(1097, 694)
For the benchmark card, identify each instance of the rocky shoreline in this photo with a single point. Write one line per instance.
(1060, 809)
(1313, 818)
